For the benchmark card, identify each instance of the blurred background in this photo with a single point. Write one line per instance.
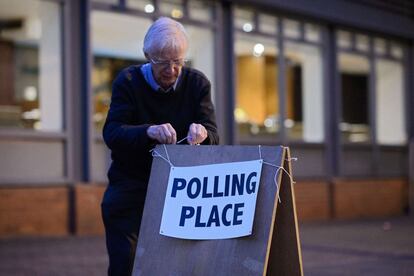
(333, 80)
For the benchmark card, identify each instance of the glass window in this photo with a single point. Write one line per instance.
(244, 20)
(268, 24)
(396, 50)
(200, 10)
(173, 8)
(362, 43)
(112, 2)
(142, 5)
(114, 46)
(304, 107)
(201, 51)
(257, 111)
(390, 102)
(312, 32)
(291, 28)
(257, 107)
(31, 57)
(354, 72)
(343, 39)
(380, 46)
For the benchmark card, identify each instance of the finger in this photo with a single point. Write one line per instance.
(162, 135)
(165, 134)
(189, 138)
(152, 132)
(192, 134)
(201, 133)
(196, 134)
(168, 134)
(173, 133)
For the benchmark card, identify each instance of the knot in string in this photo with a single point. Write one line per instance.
(278, 169)
(157, 154)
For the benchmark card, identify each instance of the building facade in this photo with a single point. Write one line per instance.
(333, 80)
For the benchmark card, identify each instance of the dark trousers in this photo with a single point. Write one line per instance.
(121, 230)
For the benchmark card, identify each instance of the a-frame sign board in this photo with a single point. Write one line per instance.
(273, 248)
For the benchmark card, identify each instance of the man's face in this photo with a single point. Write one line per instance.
(166, 66)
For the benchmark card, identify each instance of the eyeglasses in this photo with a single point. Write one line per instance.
(168, 63)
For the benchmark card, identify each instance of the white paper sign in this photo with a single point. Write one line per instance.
(211, 201)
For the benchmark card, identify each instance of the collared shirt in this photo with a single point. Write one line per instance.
(149, 77)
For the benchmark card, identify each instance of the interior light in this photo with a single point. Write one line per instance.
(33, 114)
(241, 115)
(37, 125)
(30, 93)
(289, 123)
(258, 49)
(247, 27)
(268, 123)
(149, 8)
(176, 13)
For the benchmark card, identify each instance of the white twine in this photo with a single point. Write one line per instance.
(277, 170)
(157, 154)
(182, 140)
(291, 159)
(185, 139)
(167, 158)
(260, 152)
(166, 153)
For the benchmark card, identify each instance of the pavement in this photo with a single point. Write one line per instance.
(368, 247)
(363, 247)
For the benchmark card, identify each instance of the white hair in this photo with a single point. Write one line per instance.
(165, 33)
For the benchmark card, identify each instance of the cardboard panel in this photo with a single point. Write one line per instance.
(160, 255)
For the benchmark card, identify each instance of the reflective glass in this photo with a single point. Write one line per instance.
(304, 118)
(243, 19)
(380, 46)
(390, 104)
(343, 39)
(168, 63)
(201, 10)
(396, 50)
(31, 53)
(257, 97)
(201, 52)
(142, 5)
(114, 46)
(354, 72)
(312, 32)
(362, 43)
(291, 28)
(268, 24)
(112, 2)
(173, 8)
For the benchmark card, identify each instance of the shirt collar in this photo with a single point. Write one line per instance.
(149, 78)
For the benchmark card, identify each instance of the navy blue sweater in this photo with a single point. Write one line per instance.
(135, 106)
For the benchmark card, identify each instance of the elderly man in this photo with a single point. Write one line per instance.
(160, 102)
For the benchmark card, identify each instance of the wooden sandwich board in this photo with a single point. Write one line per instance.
(273, 248)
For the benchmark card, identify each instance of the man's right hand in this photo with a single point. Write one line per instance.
(164, 134)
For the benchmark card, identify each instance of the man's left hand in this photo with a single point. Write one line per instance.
(197, 133)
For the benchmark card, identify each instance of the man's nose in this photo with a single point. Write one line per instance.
(171, 67)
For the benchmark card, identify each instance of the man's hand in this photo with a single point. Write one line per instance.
(196, 134)
(164, 134)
